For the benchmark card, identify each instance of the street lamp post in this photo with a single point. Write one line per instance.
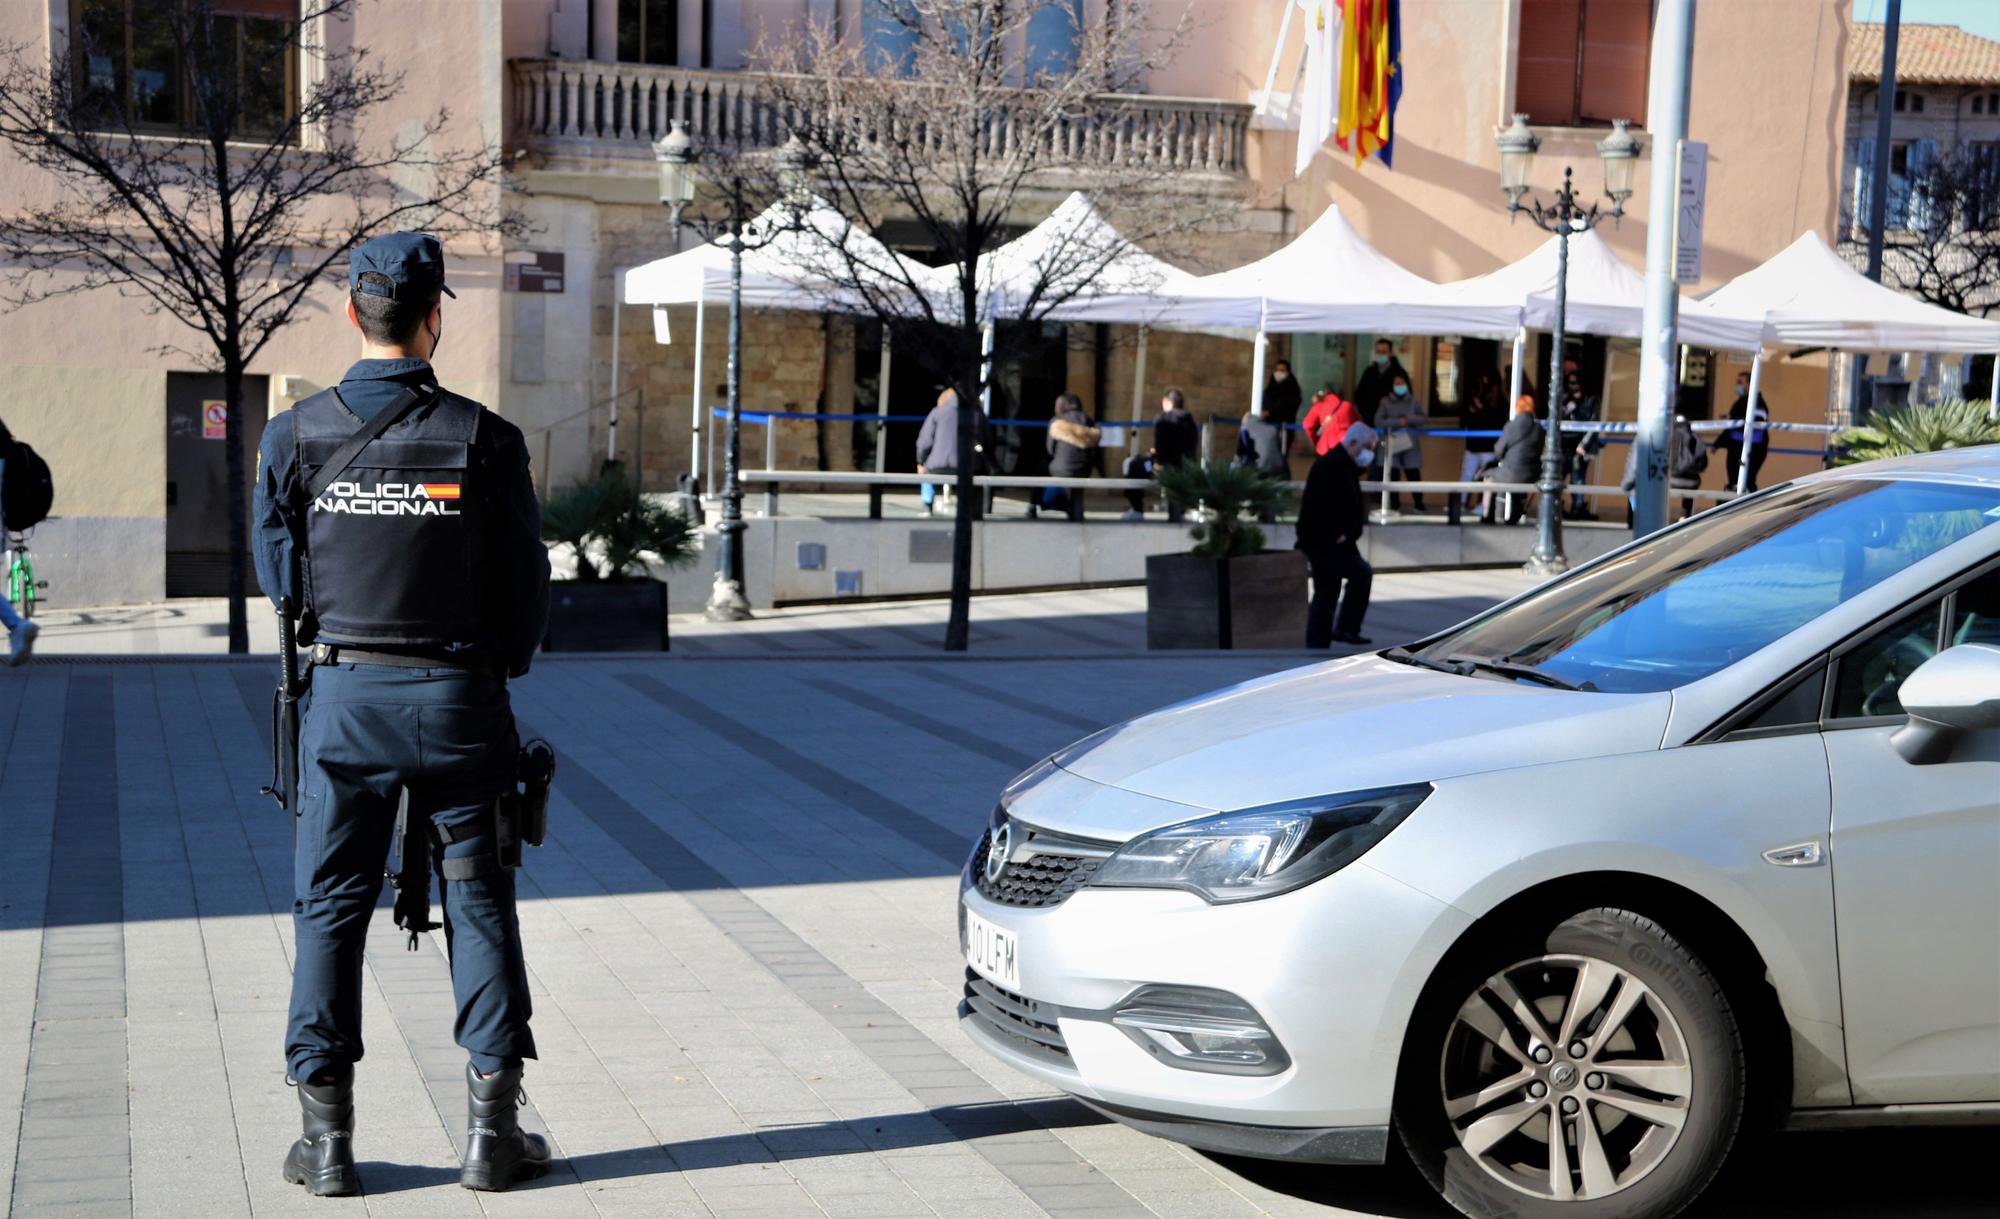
(1562, 216)
(731, 231)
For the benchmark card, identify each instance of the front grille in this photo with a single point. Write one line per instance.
(1044, 870)
(1028, 1026)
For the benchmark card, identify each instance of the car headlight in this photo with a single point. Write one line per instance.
(1259, 852)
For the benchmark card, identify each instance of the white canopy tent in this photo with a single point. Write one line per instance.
(1604, 296)
(786, 273)
(1326, 279)
(1080, 259)
(1808, 296)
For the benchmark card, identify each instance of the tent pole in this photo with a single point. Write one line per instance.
(694, 445)
(1750, 420)
(1139, 383)
(1520, 371)
(1257, 372)
(882, 408)
(617, 299)
(986, 370)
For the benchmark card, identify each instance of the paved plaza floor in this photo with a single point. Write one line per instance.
(740, 938)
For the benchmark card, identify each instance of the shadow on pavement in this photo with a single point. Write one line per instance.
(893, 1132)
(835, 632)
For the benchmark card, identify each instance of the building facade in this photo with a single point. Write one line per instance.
(1946, 107)
(576, 90)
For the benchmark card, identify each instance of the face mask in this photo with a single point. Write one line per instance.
(1280, 375)
(437, 336)
(1381, 361)
(1364, 458)
(1402, 391)
(1742, 390)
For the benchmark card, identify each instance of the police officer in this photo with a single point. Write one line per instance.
(422, 584)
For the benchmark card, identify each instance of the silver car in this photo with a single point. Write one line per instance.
(1700, 837)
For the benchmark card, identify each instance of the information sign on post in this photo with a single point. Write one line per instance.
(1688, 211)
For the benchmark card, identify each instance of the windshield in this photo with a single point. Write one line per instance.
(1698, 599)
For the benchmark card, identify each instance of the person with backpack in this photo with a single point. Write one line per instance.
(26, 494)
(1687, 460)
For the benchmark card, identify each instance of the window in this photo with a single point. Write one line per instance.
(1054, 33)
(890, 37)
(1974, 616)
(137, 62)
(649, 31)
(1909, 160)
(1695, 600)
(1868, 676)
(1911, 103)
(1983, 160)
(1583, 62)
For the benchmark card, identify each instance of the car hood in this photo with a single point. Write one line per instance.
(1343, 726)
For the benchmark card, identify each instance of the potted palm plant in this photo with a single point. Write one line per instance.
(615, 534)
(1228, 591)
(1898, 431)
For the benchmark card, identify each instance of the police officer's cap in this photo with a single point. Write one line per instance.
(413, 263)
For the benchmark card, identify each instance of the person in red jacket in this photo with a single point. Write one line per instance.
(1327, 422)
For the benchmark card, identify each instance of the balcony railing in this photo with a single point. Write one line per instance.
(569, 107)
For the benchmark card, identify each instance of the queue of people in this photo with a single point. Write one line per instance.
(1502, 443)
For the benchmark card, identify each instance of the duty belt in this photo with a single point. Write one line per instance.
(335, 653)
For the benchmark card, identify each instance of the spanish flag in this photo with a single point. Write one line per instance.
(440, 490)
(1371, 78)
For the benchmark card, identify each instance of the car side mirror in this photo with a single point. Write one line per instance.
(1953, 693)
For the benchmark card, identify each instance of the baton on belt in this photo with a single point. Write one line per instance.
(285, 716)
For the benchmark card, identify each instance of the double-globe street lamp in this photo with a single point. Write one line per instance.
(1562, 216)
(735, 232)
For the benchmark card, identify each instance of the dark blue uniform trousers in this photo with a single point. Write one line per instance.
(369, 732)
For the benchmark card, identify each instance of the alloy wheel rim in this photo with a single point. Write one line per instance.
(1566, 1077)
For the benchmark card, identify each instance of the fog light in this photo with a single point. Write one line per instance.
(1201, 1030)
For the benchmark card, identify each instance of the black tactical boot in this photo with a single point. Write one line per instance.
(498, 1153)
(323, 1158)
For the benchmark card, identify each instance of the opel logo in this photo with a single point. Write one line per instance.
(1564, 1076)
(997, 851)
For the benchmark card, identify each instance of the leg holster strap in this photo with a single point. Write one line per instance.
(472, 867)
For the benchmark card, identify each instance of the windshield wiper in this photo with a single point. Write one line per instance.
(1520, 672)
(1406, 657)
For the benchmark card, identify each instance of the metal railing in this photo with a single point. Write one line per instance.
(568, 106)
(875, 484)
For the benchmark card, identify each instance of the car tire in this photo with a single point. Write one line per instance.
(1654, 1066)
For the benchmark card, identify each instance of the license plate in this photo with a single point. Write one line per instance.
(993, 951)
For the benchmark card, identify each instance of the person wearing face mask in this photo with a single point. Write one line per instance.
(1396, 416)
(397, 521)
(1759, 436)
(1331, 518)
(1375, 380)
(1282, 399)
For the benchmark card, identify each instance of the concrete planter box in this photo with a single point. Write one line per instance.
(1256, 601)
(607, 616)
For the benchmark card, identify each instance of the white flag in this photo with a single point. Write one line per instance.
(1319, 97)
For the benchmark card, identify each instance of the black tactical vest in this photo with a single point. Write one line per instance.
(393, 545)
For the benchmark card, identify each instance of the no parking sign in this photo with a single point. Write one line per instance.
(214, 419)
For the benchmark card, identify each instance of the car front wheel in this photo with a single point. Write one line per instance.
(1594, 1069)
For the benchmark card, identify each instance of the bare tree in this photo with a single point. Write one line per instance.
(202, 189)
(1944, 240)
(948, 127)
